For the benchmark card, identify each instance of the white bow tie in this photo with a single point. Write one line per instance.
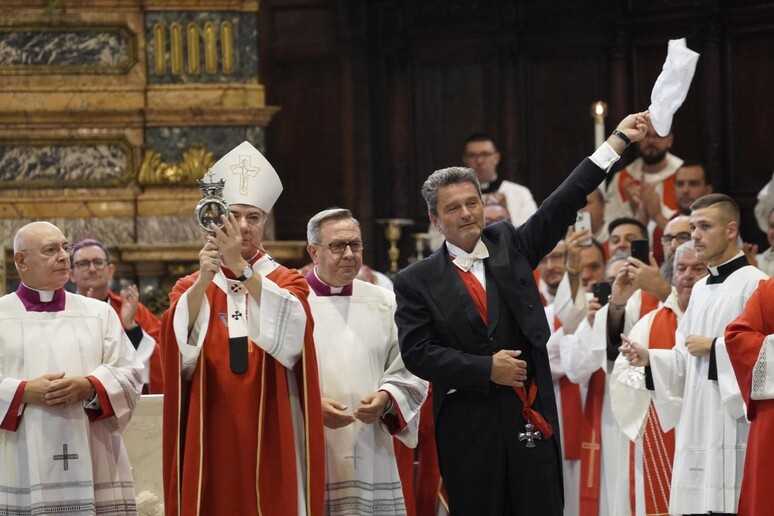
(466, 261)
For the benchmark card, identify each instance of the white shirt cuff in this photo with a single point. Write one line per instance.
(604, 156)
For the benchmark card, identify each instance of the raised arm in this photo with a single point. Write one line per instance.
(547, 226)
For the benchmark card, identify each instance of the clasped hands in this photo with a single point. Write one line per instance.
(336, 415)
(54, 389)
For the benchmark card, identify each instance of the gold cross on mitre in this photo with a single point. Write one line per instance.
(246, 171)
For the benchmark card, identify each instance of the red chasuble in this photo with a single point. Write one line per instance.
(229, 446)
(152, 326)
(744, 338)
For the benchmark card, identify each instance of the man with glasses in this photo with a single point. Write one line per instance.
(242, 411)
(481, 154)
(69, 382)
(368, 396)
(676, 233)
(92, 273)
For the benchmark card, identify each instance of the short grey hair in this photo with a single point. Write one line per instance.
(685, 247)
(316, 222)
(445, 177)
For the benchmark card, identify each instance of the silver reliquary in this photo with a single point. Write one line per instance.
(211, 208)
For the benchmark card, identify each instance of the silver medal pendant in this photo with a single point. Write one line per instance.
(211, 208)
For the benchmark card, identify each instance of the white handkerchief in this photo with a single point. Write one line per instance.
(672, 85)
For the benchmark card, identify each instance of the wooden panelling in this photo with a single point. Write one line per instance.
(376, 95)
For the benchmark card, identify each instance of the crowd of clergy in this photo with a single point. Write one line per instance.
(640, 388)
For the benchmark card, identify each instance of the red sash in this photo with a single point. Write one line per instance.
(527, 397)
(658, 446)
(572, 412)
(591, 446)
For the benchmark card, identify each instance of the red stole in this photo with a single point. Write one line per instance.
(428, 479)
(648, 303)
(527, 397)
(592, 432)
(658, 446)
(152, 326)
(229, 445)
(591, 445)
(572, 412)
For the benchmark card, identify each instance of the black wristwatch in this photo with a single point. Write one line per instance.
(622, 136)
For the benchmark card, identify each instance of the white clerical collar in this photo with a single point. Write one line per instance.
(334, 290)
(45, 295)
(485, 184)
(715, 269)
(465, 260)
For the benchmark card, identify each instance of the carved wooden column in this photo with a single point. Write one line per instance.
(711, 80)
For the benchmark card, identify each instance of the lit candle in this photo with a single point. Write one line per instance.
(598, 113)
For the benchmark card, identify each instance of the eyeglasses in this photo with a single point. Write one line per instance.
(470, 156)
(681, 238)
(339, 246)
(83, 265)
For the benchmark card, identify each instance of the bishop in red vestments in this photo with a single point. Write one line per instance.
(242, 413)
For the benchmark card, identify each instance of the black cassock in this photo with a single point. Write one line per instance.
(487, 471)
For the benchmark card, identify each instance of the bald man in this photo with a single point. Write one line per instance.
(69, 381)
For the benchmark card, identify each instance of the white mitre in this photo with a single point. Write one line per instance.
(250, 178)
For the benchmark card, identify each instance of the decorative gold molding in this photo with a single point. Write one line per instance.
(202, 5)
(163, 201)
(46, 69)
(227, 46)
(194, 48)
(70, 203)
(280, 250)
(159, 47)
(211, 116)
(154, 171)
(176, 48)
(210, 48)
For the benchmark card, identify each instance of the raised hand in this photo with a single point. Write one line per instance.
(592, 309)
(623, 287)
(209, 261)
(229, 242)
(130, 298)
(648, 277)
(635, 126)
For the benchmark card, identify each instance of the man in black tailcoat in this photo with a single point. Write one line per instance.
(470, 321)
